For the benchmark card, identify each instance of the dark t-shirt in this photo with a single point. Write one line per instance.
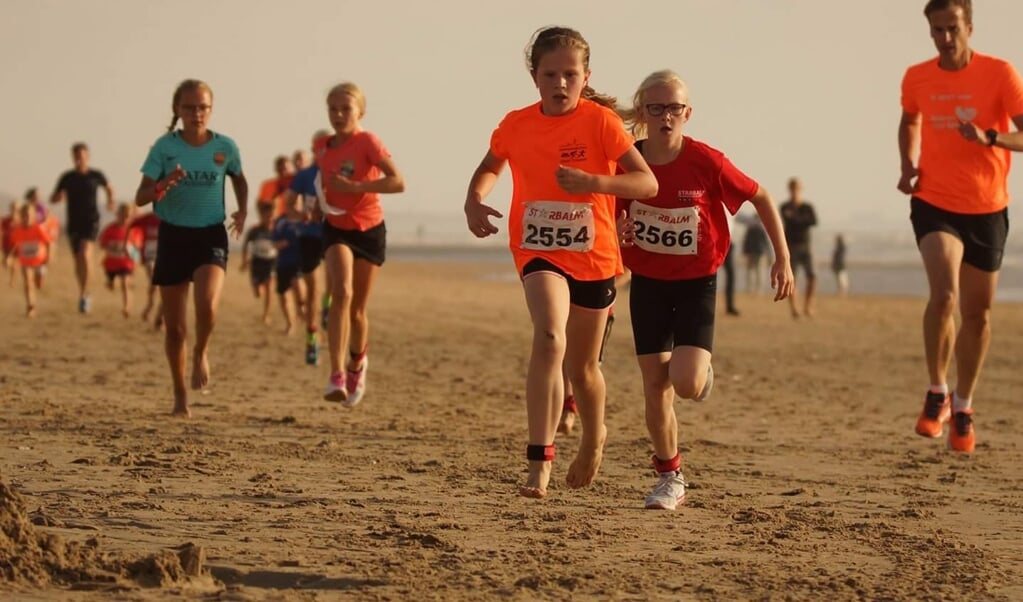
(798, 219)
(81, 190)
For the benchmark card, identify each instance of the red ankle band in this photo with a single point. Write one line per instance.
(570, 405)
(672, 465)
(358, 357)
(540, 453)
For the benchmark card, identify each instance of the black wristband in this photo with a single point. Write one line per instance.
(992, 137)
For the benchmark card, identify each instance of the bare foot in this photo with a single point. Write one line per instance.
(536, 482)
(145, 313)
(31, 312)
(584, 468)
(266, 320)
(567, 424)
(126, 312)
(288, 329)
(200, 371)
(181, 410)
(158, 323)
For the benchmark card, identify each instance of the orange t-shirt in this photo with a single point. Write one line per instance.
(357, 158)
(575, 232)
(957, 175)
(31, 244)
(121, 245)
(273, 191)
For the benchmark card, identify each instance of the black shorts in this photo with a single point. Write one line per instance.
(983, 235)
(370, 245)
(115, 273)
(800, 255)
(79, 233)
(182, 250)
(671, 313)
(591, 294)
(311, 249)
(260, 271)
(286, 275)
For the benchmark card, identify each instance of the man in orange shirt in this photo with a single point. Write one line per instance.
(955, 149)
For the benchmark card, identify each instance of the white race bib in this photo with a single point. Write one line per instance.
(321, 197)
(29, 250)
(667, 231)
(264, 249)
(116, 249)
(557, 225)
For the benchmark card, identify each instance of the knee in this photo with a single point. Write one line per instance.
(176, 334)
(943, 301)
(551, 342)
(978, 318)
(341, 293)
(688, 386)
(584, 372)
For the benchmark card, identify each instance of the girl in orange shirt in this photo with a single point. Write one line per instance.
(564, 151)
(30, 242)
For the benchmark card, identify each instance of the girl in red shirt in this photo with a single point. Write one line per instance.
(680, 240)
(564, 151)
(122, 247)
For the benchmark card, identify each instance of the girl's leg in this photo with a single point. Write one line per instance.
(569, 411)
(364, 275)
(175, 313)
(311, 297)
(150, 293)
(547, 298)
(264, 293)
(660, 404)
(30, 295)
(209, 281)
(584, 333)
(125, 296)
(688, 370)
(289, 323)
(340, 266)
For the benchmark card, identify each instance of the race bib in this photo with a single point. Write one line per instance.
(557, 225)
(321, 197)
(149, 249)
(264, 249)
(29, 250)
(667, 231)
(116, 249)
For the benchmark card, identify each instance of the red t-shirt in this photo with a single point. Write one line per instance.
(31, 244)
(357, 158)
(5, 233)
(121, 245)
(682, 233)
(149, 226)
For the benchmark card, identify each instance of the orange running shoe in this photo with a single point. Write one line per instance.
(937, 411)
(960, 435)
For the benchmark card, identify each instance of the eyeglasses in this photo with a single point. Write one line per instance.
(190, 108)
(658, 109)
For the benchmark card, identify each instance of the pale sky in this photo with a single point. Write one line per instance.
(783, 87)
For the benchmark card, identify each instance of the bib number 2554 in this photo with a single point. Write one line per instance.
(557, 225)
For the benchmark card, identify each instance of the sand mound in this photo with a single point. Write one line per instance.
(34, 559)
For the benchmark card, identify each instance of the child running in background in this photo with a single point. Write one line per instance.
(49, 222)
(7, 225)
(563, 151)
(29, 244)
(122, 247)
(680, 240)
(259, 256)
(149, 225)
(289, 262)
(184, 175)
(355, 168)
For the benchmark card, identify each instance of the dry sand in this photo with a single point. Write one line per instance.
(807, 482)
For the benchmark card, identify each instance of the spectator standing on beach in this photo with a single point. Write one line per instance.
(839, 267)
(79, 188)
(755, 246)
(184, 176)
(563, 151)
(798, 217)
(681, 239)
(954, 146)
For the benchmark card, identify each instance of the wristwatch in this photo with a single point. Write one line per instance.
(992, 136)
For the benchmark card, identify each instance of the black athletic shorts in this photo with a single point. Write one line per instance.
(591, 294)
(286, 275)
(79, 233)
(983, 235)
(370, 245)
(311, 249)
(260, 271)
(800, 255)
(115, 273)
(671, 313)
(182, 250)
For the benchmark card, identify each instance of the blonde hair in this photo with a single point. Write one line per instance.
(352, 90)
(633, 115)
(548, 39)
(186, 86)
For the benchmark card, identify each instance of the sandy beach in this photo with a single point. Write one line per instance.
(806, 480)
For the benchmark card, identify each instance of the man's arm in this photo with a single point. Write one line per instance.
(909, 150)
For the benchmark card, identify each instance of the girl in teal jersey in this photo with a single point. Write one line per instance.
(184, 176)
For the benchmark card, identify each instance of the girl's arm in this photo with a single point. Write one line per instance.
(151, 191)
(637, 183)
(782, 280)
(241, 195)
(477, 215)
(391, 183)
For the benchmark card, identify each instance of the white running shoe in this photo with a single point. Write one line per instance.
(708, 386)
(668, 493)
(336, 388)
(356, 384)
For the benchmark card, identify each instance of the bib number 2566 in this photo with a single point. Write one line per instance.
(557, 225)
(673, 231)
